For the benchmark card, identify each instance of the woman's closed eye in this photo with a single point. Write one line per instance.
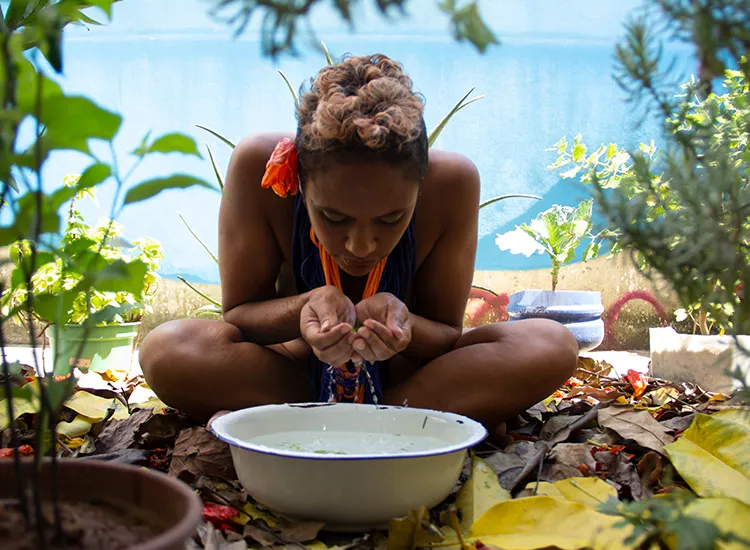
(392, 219)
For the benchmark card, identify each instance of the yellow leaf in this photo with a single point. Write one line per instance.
(590, 491)
(728, 514)
(712, 455)
(79, 426)
(256, 513)
(412, 531)
(316, 545)
(480, 492)
(92, 406)
(20, 406)
(541, 521)
(75, 443)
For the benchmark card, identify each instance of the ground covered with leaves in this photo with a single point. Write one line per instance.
(605, 462)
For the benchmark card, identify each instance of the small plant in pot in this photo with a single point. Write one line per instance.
(45, 501)
(558, 232)
(109, 344)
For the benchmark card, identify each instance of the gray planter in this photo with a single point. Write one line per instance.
(579, 310)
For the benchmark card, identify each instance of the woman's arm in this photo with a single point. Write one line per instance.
(250, 256)
(443, 281)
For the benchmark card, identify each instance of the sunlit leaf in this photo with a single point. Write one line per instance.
(540, 522)
(171, 143)
(72, 121)
(480, 492)
(89, 405)
(712, 455)
(590, 491)
(217, 172)
(153, 187)
(80, 425)
(217, 134)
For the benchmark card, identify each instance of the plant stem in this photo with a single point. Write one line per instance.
(20, 479)
(555, 272)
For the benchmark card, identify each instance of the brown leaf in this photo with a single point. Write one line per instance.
(304, 531)
(197, 453)
(509, 463)
(554, 429)
(589, 370)
(262, 536)
(568, 460)
(221, 491)
(639, 426)
(650, 469)
(601, 395)
(619, 469)
(118, 435)
(679, 423)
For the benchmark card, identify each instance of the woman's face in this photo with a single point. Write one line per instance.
(360, 211)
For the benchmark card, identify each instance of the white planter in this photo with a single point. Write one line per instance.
(704, 360)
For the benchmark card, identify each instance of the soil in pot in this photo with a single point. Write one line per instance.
(87, 526)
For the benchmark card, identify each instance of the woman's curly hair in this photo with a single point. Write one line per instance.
(362, 109)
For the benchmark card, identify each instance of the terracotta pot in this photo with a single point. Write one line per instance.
(170, 501)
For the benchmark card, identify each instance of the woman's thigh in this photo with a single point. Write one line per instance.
(201, 366)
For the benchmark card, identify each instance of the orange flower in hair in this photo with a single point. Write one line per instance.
(281, 169)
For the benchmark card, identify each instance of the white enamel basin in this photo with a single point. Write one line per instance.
(373, 462)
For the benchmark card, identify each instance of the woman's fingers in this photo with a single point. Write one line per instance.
(375, 342)
(394, 339)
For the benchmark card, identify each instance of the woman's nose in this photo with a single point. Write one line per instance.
(360, 243)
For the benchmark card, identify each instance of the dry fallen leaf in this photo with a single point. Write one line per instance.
(639, 426)
(413, 531)
(199, 453)
(568, 460)
(118, 435)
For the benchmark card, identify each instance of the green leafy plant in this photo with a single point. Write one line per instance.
(281, 20)
(140, 261)
(663, 522)
(32, 219)
(659, 204)
(558, 231)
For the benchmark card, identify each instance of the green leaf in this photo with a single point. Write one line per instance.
(291, 88)
(508, 196)
(562, 145)
(104, 5)
(591, 251)
(329, 59)
(16, 11)
(433, 135)
(24, 223)
(201, 294)
(72, 121)
(20, 273)
(197, 238)
(579, 151)
(93, 176)
(150, 188)
(218, 135)
(217, 172)
(120, 276)
(24, 402)
(171, 143)
(467, 24)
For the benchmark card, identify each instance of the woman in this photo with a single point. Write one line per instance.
(346, 262)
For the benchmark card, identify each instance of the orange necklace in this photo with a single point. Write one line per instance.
(333, 278)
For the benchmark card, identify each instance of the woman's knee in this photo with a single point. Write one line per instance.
(175, 345)
(547, 343)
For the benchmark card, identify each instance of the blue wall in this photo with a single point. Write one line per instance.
(166, 66)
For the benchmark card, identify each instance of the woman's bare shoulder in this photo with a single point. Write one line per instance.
(451, 183)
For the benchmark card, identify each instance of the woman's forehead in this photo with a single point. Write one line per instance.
(362, 187)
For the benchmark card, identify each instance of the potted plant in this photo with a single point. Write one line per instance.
(558, 232)
(109, 344)
(47, 502)
(682, 226)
